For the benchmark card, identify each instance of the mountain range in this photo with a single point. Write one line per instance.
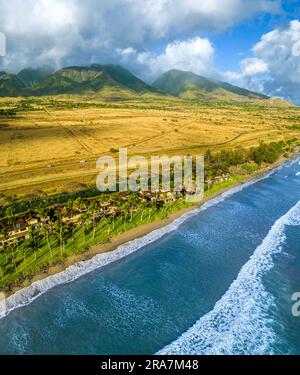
(96, 78)
(190, 85)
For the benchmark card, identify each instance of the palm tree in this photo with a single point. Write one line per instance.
(33, 242)
(78, 205)
(45, 224)
(10, 216)
(42, 212)
(24, 256)
(45, 231)
(85, 220)
(58, 228)
(4, 237)
(144, 206)
(14, 245)
(73, 230)
(71, 206)
(93, 214)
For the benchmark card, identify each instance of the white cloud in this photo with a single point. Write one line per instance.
(253, 66)
(250, 67)
(126, 51)
(276, 49)
(80, 32)
(278, 60)
(194, 55)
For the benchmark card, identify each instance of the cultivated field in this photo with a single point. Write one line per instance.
(51, 144)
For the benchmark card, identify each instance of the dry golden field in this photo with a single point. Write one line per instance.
(53, 142)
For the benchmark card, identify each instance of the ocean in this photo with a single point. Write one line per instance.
(219, 280)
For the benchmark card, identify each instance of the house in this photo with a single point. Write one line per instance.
(32, 222)
(20, 224)
(72, 219)
(113, 210)
(19, 229)
(105, 204)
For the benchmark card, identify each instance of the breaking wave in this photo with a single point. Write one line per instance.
(27, 295)
(240, 322)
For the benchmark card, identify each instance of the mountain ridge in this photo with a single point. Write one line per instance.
(102, 79)
(188, 84)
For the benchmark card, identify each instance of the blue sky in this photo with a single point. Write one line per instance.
(252, 43)
(241, 38)
(236, 44)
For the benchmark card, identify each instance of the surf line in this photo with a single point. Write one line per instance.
(238, 318)
(27, 295)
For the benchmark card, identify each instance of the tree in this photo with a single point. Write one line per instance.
(59, 231)
(92, 213)
(85, 220)
(45, 230)
(13, 245)
(4, 237)
(45, 224)
(78, 205)
(34, 240)
(10, 216)
(208, 156)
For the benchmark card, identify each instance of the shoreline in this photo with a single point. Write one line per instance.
(139, 232)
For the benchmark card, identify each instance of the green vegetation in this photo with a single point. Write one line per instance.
(48, 230)
(8, 113)
(30, 76)
(249, 160)
(10, 84)
(187, 84)
(223, 185)
(71, 80)
(56, 234)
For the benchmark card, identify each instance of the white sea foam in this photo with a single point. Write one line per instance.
(29, 294)
(240, 322)
(298, 174)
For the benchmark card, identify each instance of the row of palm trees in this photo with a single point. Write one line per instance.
(56, 223)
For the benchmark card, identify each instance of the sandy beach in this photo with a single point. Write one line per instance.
(135, 233)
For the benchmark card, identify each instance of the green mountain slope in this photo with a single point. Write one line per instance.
(31, 76)
(113, 81)
(190, 85)
(73, 80)
(79, 80)
(10, 84)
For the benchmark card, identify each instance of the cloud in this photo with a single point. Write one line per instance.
(277, 49)
(253, 66)
(194, 55)
(64, 32)
(276, 55)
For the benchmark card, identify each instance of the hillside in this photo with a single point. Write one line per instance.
(190, 85)
(10, 84)
(78, 80)
(30, 77)
(114, 82)
(72, 80)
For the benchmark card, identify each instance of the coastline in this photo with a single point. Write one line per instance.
(135, 234)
